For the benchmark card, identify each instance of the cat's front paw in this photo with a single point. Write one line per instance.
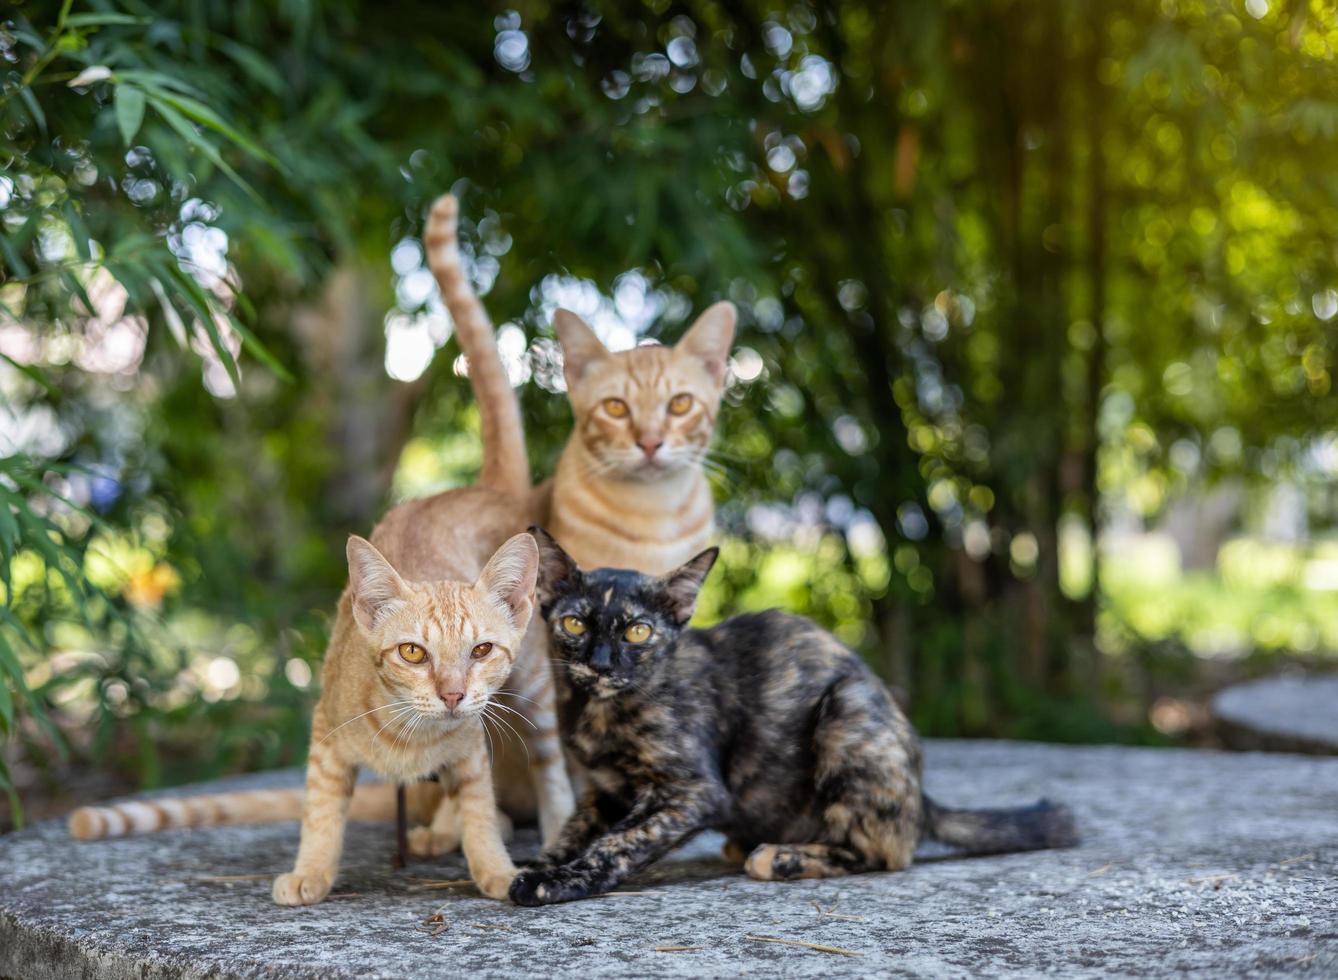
(544, 887)
(528, 886)
(423, 842)
(496, 884)
(299, 889)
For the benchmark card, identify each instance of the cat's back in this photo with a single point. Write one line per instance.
(773, 639)
(449, 536)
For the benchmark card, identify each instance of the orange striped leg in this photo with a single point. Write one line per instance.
(480, 832)
(329, 789)
(548, 770)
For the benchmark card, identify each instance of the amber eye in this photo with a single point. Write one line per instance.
(637, 633)
(616, 407)
(481, 651)
(573, 625)
(679, 404)
(412, 653)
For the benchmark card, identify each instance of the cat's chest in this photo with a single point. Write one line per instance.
(615, 745)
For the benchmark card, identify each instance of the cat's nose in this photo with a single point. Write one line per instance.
(452, 698)
(650, 446)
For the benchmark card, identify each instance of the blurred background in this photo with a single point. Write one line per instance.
(1031, 403)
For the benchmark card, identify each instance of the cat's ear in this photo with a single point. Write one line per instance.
(556, 568)
(509, 577)
(580, 346)
(378, 591)
(709, 339)
(684, 583)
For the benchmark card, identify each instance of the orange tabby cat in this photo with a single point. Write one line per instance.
(381, 710)
(630, 489)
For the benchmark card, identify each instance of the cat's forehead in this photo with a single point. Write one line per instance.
(650, 369)
(616, 589)
(447, 611)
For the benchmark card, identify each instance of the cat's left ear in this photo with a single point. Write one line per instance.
(509, 577)
(709, 339)
(684, 583)
(556, 567)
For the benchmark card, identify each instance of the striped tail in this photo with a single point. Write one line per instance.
(371, 801)
(505, 465)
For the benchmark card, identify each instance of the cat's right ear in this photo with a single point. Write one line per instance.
(580, 346)
(684, 583)
(557, 570)
(378, 591)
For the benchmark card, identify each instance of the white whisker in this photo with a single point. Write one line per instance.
(392, 704)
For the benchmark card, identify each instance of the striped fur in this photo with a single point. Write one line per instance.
(613, 501)
(435, 548)
(505, 466)
(374, 801)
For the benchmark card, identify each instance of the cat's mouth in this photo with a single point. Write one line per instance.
(636, 465)
(600, 684)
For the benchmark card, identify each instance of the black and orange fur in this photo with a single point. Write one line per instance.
(764, 727)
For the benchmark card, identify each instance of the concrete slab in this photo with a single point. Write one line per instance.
(1194, 862)
(1281, 714)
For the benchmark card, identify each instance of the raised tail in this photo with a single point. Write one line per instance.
(371, 801)
(1027, 828)
(505, 465)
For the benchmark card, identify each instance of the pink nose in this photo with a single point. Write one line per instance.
(650, 446)
(452, 698)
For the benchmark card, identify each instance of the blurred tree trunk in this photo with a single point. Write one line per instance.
(367, 414)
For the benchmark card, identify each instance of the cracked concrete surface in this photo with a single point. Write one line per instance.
(1193, 862)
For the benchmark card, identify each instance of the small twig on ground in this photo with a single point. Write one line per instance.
(1100, 871)
(677, 949)
(1215, 880)
(227, 878)
(488, 925)
(437, 921)
(429, 886)
(1297, 860)
(799, 942)
(831, 913)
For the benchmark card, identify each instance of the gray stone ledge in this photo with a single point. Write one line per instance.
(1193, 862)
(1281, 714)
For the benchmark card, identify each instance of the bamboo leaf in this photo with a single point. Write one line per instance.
(188, 132)
(130, 102)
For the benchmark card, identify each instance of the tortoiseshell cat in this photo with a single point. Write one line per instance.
(764, 727)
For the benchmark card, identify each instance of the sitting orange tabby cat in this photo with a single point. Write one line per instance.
(630, 489)
(400, 718)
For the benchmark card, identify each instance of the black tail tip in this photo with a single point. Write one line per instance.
(1054, 825)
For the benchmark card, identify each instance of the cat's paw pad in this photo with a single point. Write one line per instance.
(496, 884)
(297, 889)
(424, 843)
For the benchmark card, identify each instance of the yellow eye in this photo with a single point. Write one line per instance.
(637, 633)
(616, 407)
(412, 653)
(481, 651)
(573, 625)
(679, 404)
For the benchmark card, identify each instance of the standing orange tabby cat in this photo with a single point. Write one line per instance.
(424, 641)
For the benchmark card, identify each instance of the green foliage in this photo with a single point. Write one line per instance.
(1009, 274)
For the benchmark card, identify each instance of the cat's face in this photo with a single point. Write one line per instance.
(610, 626)
(649, 411)
(443, 649)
